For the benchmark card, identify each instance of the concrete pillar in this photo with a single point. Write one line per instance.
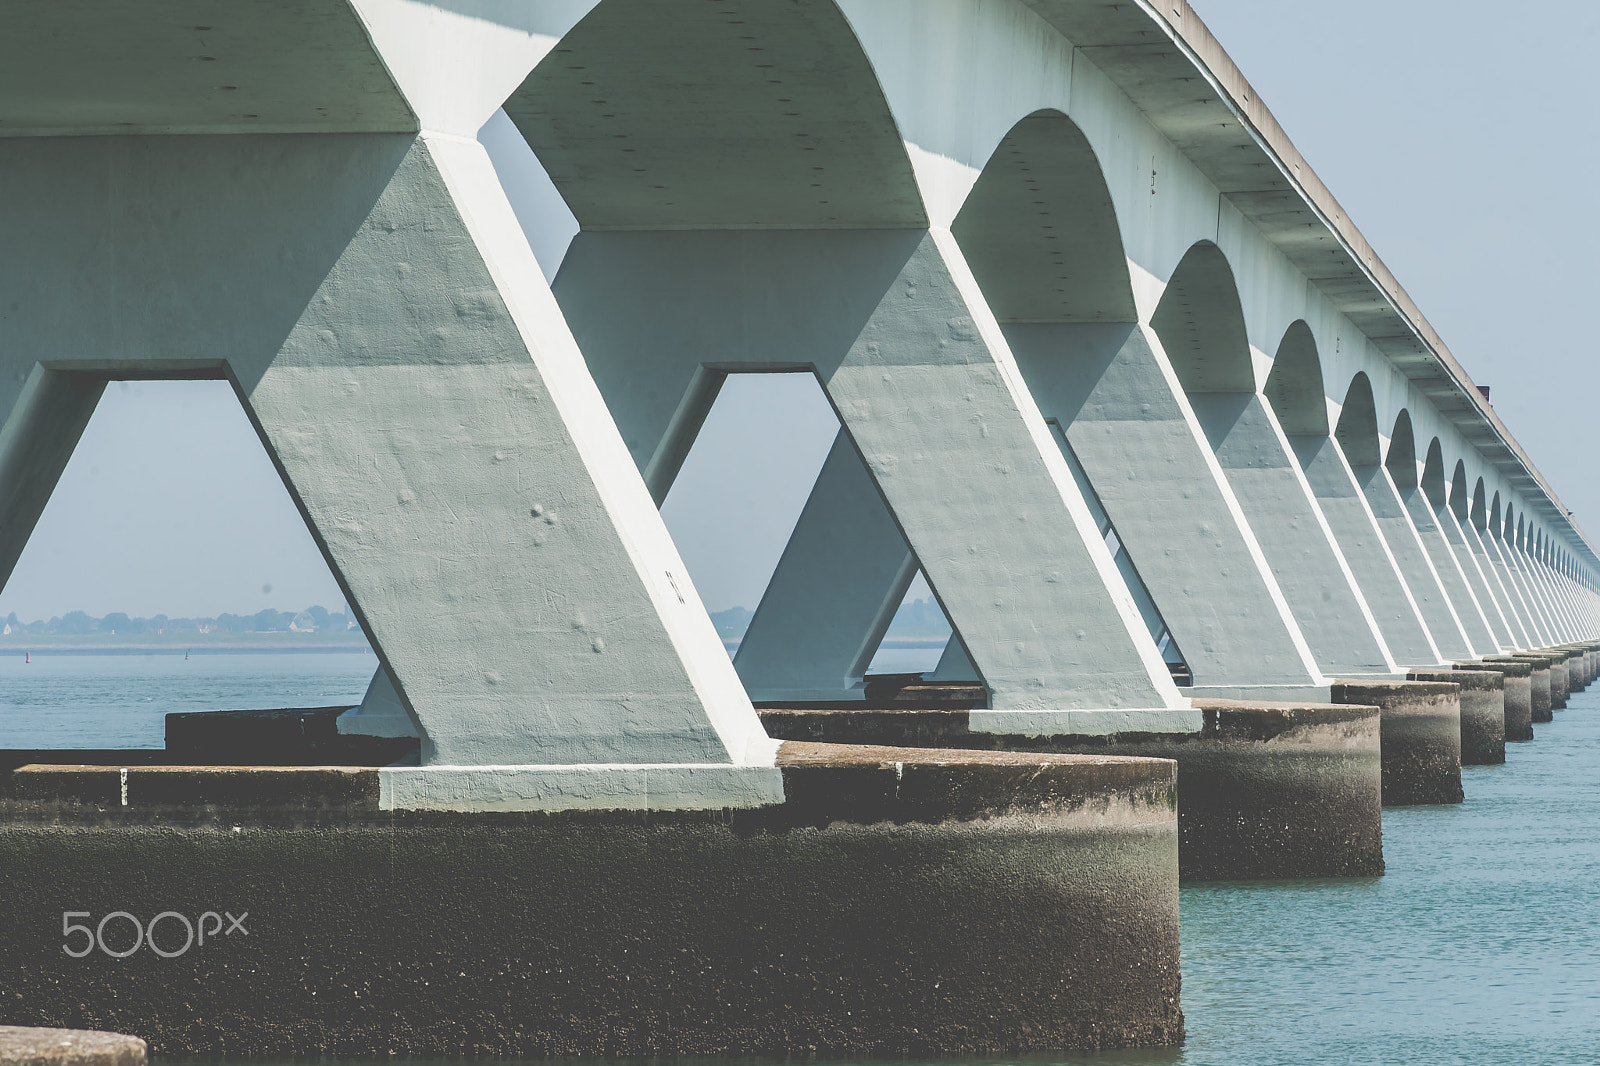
(43, 413)
(1495, 575)
(931, 399)
(837, 585)
(1313, 573)
(409, 373)
(1532, 613)
(1539, 683)
(1265, 790)
(1483, 586)
(1354, 526)
(1483, 712)
(1412, 560)
(1125, 420)
(1420, 727)
(839, 918)
(1558, 677)
(1517, 694)
(1469, 610)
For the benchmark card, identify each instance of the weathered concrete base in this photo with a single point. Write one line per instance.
(1265, 790)
(1517, 681)
(24, 1046)
(1539, 683)
(1560, 677)
(1421, 731)
(1483, 712)
(1581, 666)
(898, 902)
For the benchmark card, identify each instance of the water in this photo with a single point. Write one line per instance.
(1479, 946)
(119, 701)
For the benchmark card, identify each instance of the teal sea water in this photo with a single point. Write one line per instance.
(120, 701)
(1480, 946)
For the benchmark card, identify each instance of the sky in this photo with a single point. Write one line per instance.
(169, 506)
(1460, 139)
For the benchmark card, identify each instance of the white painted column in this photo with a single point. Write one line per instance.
(1142, 450)
(393, 341)
(1555, 606)
(43, 414)
(1483, 585)
(926, 389)
(1449, 572)
(1294, 535)
(837, 585)
(1506, 593)
(1533, 618)
(1438, 614)
(1354, 526)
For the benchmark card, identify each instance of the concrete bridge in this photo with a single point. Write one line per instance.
(1191, 476)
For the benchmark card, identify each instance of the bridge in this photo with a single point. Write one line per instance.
(1232, 547)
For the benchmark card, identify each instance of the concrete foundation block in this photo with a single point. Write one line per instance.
(1577, 676)
(26, 1046)
(1483, 712)
(1421, 735)
(897, 902)
(1540, 683)
(1265, 790)
(1560, 676)
(1517, 681)
(1586, 665)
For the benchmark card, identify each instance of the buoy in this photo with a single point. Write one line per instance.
(27, 656)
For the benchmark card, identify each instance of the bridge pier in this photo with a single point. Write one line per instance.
(1516, 680)
(1540, 687)
(1265, 789)
(1560, 677)
(1484, 722)
(1420, 728)
(891, 902)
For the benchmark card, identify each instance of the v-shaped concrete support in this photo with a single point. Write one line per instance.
(932, 403)
(408, 372)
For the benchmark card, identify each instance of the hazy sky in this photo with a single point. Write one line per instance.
(1462, 145)
(1461, 140)
(169, 506)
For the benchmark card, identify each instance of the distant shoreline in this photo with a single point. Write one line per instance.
(243, 649)
(98, 644)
